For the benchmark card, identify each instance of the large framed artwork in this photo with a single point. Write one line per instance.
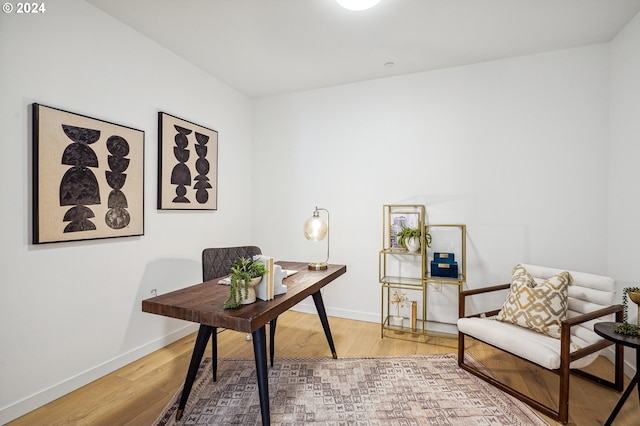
(88, 177)
(187, 165)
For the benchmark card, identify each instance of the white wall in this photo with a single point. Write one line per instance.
(624, 152)
(70, 312)
(624, 174)
(516, 149)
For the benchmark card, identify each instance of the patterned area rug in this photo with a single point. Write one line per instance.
(401, 390)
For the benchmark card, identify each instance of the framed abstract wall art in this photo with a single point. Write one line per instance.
(187, 165)
(88, 177)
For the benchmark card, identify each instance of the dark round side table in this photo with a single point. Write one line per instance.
(605, 329)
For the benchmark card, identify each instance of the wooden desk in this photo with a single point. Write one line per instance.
(202, 303)
(606, 330)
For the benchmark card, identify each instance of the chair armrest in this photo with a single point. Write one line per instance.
(593, 315)
(484, 290)
(463, 294)
(565, 333)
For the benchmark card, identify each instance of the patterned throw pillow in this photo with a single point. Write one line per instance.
(540, 307)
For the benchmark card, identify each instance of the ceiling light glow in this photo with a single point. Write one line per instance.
(357, 4)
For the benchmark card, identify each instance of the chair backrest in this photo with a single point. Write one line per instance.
(216, 262)
(588, 293)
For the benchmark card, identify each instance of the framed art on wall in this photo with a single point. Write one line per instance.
(88, 177)
(187, 165)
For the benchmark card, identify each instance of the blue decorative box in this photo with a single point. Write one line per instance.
(444, 265)
(444, 257)
(446, 270)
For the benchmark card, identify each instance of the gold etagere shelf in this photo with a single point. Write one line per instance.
(401, 270)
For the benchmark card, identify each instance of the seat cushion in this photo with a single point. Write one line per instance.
(539, 306)
(525, 343)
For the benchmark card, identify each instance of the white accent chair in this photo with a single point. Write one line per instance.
(591, 299)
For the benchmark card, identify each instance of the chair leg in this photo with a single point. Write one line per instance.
(563, 402)
(460, 349)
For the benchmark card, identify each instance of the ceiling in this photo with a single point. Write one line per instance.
(267, 47)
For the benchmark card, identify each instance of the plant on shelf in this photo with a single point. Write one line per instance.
(625, 327)
(407, 233)
(243, 270)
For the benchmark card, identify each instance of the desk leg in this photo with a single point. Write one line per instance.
(202, 339)
(272, 338)
(634, 382)
(260, 353)
(317, 299)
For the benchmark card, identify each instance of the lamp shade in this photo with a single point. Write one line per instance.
(357, 4)
(315, 229)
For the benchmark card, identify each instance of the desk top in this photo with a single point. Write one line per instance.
(605, 329)
(202, 303)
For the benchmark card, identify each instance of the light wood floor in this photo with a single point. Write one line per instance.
(137, 393)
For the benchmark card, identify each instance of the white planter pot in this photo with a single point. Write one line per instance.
(251, 292)
(413, 244)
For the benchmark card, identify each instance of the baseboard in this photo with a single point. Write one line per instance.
(310, 308)
(30, 403)
(629, 360)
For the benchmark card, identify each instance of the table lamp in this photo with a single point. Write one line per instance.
(316, 229)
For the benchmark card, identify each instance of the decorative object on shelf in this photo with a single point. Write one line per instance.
(88, 177)
(632, 293)
(414, 315)
(187, 165)
(398, 299)
(397, 221)
(316, 229)
(411, 238)
(245, 275)
(444, 265)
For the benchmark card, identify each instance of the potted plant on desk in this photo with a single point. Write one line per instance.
(245, 275)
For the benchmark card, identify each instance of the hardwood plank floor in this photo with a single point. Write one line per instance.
(137, 393)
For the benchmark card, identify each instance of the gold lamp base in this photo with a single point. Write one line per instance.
(318, 266)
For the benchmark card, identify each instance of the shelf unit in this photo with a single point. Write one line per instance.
(403, 272)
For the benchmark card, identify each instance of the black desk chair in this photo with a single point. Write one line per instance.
(216, 262)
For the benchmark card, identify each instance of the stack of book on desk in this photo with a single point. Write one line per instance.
(265, 288)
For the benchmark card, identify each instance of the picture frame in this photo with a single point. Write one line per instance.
(397, 221)
(88, 177)
(187, 165)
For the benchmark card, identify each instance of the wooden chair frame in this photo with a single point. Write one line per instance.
(560, 414)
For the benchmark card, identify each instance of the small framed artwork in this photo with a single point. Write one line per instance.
(399, 220)
(88, 177)
(187, 165)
